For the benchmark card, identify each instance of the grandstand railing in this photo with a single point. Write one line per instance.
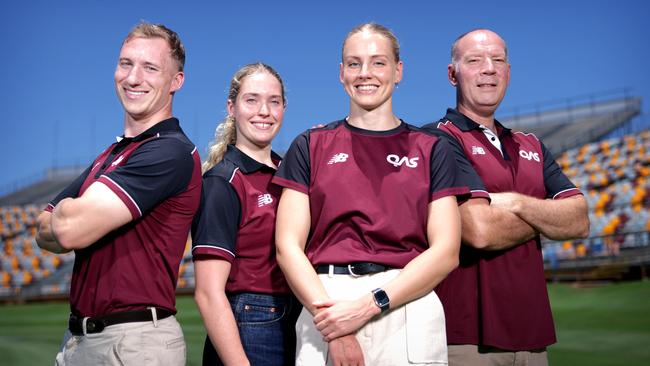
(50, 173)
(570, 109)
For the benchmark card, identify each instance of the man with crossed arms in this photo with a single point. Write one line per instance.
(496, 304)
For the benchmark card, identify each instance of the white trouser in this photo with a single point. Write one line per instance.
(413, 334)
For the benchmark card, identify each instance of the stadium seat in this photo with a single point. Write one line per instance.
(5, 279)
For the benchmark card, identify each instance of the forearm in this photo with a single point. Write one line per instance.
(422, 274)
(416, 279)
(292, 229)
(425, 271)
(302, 278)
(491, 228)
(45, 237)
(559, 219)
(78, 223)
(68, 226)
(221, 326)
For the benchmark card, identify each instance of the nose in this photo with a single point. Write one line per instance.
(134, 76)
(488, 66)
(264, 109)
(365, 71)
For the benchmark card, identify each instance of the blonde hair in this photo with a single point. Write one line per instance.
(148, 30)
(375, 28)
(226, 132)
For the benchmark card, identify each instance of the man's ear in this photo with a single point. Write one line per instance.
(451, 74)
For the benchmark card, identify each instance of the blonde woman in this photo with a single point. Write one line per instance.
(241, 293)
(368, 222)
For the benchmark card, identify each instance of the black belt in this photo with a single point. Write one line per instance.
(352, 269)
(97, 324)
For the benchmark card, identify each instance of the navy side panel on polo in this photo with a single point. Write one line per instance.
(158, 177)
(369, 191)
(236, 223)
(499, 299)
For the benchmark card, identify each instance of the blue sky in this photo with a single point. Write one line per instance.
(60, 107)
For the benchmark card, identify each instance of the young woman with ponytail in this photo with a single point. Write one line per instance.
(242, 295)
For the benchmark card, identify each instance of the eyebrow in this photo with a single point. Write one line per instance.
(250, 94)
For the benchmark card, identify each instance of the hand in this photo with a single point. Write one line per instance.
(509, 201)
(346, 351)
(341, 318)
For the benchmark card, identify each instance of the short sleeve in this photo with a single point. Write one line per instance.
(215, 226)
(72, 190)
(556, 182)
(466, 174)
(294, 172)
(445, 177)
(157, 169)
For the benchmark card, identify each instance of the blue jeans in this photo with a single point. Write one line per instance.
(266, 327)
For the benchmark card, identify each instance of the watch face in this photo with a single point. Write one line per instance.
(381, 299)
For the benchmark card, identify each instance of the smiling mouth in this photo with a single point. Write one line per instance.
(366, 88)
(134, 93)
(262, 125)
(487, 85)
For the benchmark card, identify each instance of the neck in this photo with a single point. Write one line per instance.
(259, 154)
(378, 119)
(134, 125)
(485, 119)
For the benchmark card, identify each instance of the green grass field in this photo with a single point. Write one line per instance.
(605, 325)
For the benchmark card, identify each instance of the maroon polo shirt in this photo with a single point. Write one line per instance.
(369, 191)
(499, 298)
(236, 223)
(157, 175)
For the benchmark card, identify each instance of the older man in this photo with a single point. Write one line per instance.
(496, 303)
(127, 218)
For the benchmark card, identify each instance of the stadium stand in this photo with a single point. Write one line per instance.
(614, 174)
(588, 140)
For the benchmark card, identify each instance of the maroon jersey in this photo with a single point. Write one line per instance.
(236, 223)
(499, 298)
(369, 191)
(157, 175)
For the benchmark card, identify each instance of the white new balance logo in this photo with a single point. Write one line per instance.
(264, 199)
(477, 150)
(338, 158)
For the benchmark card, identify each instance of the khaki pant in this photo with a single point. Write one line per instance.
(138, 343)
(413, 334)
(471, 355)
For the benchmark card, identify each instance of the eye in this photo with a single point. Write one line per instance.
(473, 60)
(150, 68)
(500, 60)
(125, 63)
(353, 64)
(380, 63)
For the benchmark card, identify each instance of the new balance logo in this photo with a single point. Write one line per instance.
(118, 160)
(264, 199)
(338, 158)
(397, 161)
(529, 155)
(478, 150)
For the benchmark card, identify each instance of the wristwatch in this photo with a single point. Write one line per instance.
(381, 299)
